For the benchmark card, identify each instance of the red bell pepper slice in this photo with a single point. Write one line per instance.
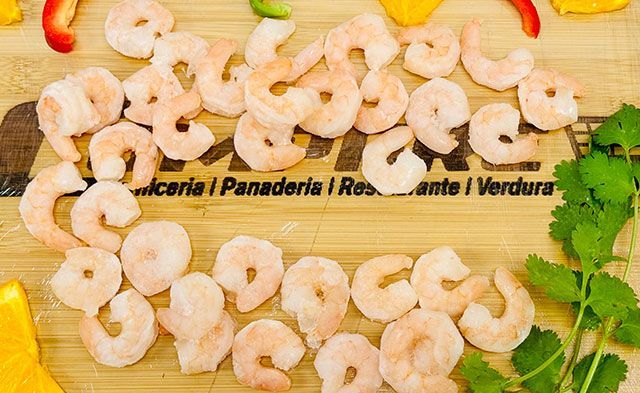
(530, 18)
(56, 17)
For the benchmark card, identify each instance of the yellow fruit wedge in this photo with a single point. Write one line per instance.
(409, 12)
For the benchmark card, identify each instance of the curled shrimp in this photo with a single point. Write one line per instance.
(388, 303)
(106, 201)
(391, 97)
(492, 121)
(404, 174)
(443, 264)
(125, 31)
(139, 330)
(87, 279)
(435, 108)
(433, 50)
(315, 291)
(39, 198)
(509, 330)
(263, 338)
(549, 113)
(498, 75)
(179, 47)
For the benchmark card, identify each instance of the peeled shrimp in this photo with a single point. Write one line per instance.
(341, 352)
(179, 47)
(139, 330)
(435, 108)
(507, 332)
(433, 50)
(195, 308)
(549, 113)
(39, 198)
(404, 174)
(178, 145)
(126, 34)
(235, 258)
(87, 279)
(442, 264)
(106, 201)
(263, 338)
(154, 255)
(315, 290)
(388, 303)
(492, 121)
(419, 350)
(337, 116)
(499, 75)
(392, 101)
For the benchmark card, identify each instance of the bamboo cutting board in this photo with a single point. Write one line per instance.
(330, 212)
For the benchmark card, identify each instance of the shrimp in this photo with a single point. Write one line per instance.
(510, 330)
(154, 255)
(39, 198)
(179, 47)
(337, 116)
(196, 307)
(206, 353)
(339, 353)
(278, 112)
(392, 101)
(139, 330)
(315, 290)
(107, 147)
(419, 350)
(404, 174)
(235, 258)
(388, 303)
(64, 111)
(435, 108)
(178, 145)
(442, 264)
(132, 26)
(264, 149)
(492, 121)
(498, 75)
(549, 113)
(106, 201)
(433, 50)
(87, 279)
(367, 32)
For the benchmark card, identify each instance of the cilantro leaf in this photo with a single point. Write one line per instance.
(590, 320)
(558, 281)
(609, 177)
(535, 350)
(570, 182)
(622, 128)
(629, 331)
(481, 377)
(585, 239)
(610, 296)
(567, 216)
(610, 221)
(610, 372)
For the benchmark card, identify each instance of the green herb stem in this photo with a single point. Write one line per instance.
(572, 363)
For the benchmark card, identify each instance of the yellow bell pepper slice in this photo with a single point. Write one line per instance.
(409, 12)
(9, 12)
(588, 7)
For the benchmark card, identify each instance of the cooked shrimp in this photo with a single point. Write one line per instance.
(305, 60)
(139, 330)
(179, 47)
(337, 116)
(338, 354)
(64, 111)
(178, 145)
(315, 291)
(264, 149)
(507, 332)
(154, 81)
(367, 32)
(404, 174)
(233, 261)
(206, 353)
(419, 350)
(39, 198)
(278, 112)
(388, 303)
(492, 121)
(87, 279)
(392, 101)
(154, 255)
(442, 264)
(262, 338)
(109, 202)
(132, 26)
(498, 75)
(433, 50)
(549, 113)
(435, 108)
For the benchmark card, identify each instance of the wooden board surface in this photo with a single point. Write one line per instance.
(487, 231)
